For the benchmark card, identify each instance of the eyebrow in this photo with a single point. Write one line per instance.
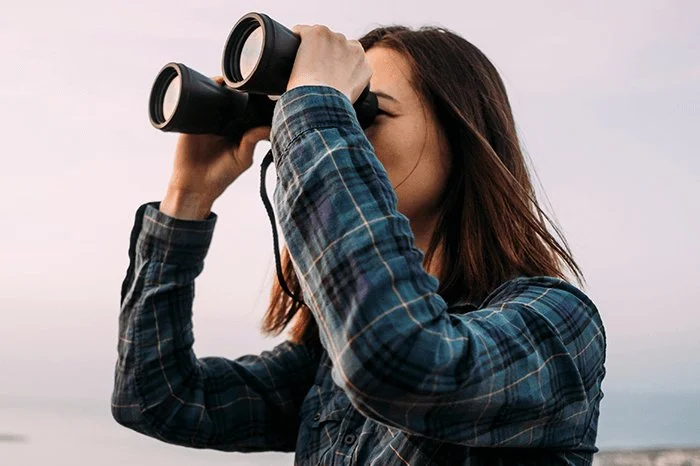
(386, 96)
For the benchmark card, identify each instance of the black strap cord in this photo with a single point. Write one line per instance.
(271, 214)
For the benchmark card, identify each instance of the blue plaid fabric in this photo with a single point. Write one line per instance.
(402, 377)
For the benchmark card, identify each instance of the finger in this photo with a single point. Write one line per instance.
(218, 79)
(261, 133)
(254, 135)
(318, 30)
(300, 29)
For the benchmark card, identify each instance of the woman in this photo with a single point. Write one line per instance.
(435, 323)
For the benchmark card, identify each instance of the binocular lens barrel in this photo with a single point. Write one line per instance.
(185, 101)
(259, 55)
(256, 64)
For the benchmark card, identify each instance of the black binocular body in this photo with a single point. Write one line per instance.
(256, 65)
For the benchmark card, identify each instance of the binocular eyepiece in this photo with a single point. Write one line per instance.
(257, 62)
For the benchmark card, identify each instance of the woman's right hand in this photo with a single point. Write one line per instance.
(205, 165)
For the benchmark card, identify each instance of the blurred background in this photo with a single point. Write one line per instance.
(606, 96)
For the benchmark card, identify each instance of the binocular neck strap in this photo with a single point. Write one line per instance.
(271, 214)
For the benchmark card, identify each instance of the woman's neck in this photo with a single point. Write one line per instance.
(423, 233)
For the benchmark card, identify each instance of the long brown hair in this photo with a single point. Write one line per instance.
(491, 227)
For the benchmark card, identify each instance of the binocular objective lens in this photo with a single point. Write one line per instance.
(171, 96)
(251, 52)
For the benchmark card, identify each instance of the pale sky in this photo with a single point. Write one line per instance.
(606, 96)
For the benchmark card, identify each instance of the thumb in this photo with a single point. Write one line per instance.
(251, 138)
(254, 135)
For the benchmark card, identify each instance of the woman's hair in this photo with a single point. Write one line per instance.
(491, 227)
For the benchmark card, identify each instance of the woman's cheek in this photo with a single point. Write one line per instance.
(388, 149)
(375, 139)
(386, 157)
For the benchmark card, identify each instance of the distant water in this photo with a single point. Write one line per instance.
(649, 420)
(68, 433)
(64, 432)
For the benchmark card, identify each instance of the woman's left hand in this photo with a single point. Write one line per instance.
(328, 58)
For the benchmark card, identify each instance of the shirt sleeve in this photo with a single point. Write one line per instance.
(524, 370)
(161, 388)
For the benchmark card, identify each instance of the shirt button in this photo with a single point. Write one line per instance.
(317, 416)
(349, 439)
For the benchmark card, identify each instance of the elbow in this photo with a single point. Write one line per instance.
(128, 413)
(159, 417)
(126, 405)
(405, 366)
(380, 401)
(121, 416)
(125, 410)
(393, 412)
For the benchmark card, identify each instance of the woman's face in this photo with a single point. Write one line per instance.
(408, 142)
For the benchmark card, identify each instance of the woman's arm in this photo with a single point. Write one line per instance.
(523, 371)
(161, 389)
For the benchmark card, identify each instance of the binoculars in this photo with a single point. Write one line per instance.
(256, 65)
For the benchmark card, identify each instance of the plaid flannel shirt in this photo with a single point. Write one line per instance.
(401, 376)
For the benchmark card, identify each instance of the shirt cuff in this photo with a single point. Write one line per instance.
(171, 239)
(305, 108)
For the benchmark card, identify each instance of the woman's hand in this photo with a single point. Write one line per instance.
(327, 58)
(205, 165)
